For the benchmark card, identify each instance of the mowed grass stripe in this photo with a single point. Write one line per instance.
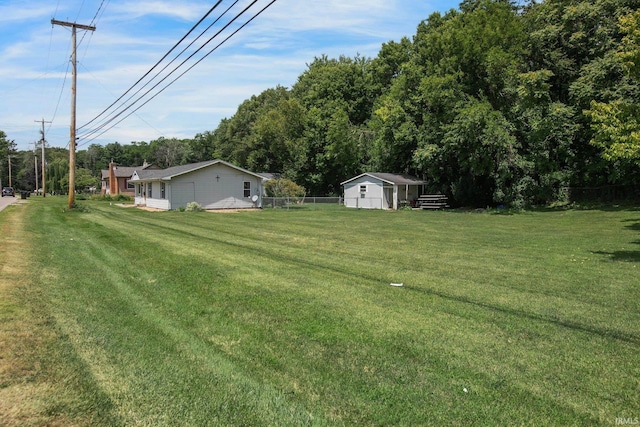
(488, 279)
(155, 371)
(332, 340)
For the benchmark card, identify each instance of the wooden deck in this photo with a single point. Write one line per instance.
(432, 201)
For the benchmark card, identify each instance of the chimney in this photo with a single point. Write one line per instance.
(113, 181)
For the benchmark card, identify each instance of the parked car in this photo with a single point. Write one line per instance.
(8, 191)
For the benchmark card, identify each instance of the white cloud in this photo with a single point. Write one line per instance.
(184, 10)
(20, 11)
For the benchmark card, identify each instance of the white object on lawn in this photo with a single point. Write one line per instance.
(397, 284)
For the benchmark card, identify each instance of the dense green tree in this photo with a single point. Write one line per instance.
(338, 96)
(7, 150)
(578, 42)
(203, 147)
(84, 180)
(616, 124)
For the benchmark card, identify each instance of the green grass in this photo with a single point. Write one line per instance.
(286, 317)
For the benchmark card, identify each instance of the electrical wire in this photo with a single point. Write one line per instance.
(107, 89)
(107, 123)
(155, 65)
(94, 23)
(104, 124)
(165, 67)
(187, 70)
(55, 112)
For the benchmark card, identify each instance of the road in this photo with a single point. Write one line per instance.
(6, 201)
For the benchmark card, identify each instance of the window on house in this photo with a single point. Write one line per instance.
(162, 190)
(247, 189)
(149, 190)
(129, 184)
(363, 188)
(139, 189)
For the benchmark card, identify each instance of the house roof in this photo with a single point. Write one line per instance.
(390, 178)
(120, 172)
(169, 173)
(268, 175)
(126, 171)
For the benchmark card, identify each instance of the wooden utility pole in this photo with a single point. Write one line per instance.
(35, 166)
(72, 136)
(42, 140)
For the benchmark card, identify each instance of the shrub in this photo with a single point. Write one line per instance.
(284, 187)
(193, 207)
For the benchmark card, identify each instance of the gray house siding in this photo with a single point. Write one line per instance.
(372, 198)
(213, 184)
(215, 187)
(182, 193)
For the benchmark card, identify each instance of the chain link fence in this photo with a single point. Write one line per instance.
(306, 202)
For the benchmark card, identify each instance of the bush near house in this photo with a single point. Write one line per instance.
(283, 187)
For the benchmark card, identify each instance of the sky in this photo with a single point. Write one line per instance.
(131, 36)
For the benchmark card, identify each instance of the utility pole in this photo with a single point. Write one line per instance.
(42, 140)
(35, 165)
(9, 157)
(72, 135)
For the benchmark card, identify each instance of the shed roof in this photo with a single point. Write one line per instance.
(390, 178)
(169, 173)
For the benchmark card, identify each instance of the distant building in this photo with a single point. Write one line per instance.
(375, 190)
(115, 180)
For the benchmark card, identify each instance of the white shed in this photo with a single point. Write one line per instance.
(214, 184)
(374, 190)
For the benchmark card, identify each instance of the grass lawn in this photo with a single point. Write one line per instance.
(115, 316)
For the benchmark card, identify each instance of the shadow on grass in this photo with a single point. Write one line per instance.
(556, 320)
(625, 255)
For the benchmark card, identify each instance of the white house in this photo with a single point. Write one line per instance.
(373, 190)
(214, 184)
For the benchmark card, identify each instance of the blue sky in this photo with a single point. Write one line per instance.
(132, 35)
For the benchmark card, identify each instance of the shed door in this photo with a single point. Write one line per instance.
(388, 198)
(182, 194)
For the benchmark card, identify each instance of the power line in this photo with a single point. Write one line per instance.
(108, 90)
(99, 130)
(94, 23)
(55, 112)
(182, 74)
(107, 122)
(156, 65)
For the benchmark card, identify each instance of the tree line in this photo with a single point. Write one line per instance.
(493, 103)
